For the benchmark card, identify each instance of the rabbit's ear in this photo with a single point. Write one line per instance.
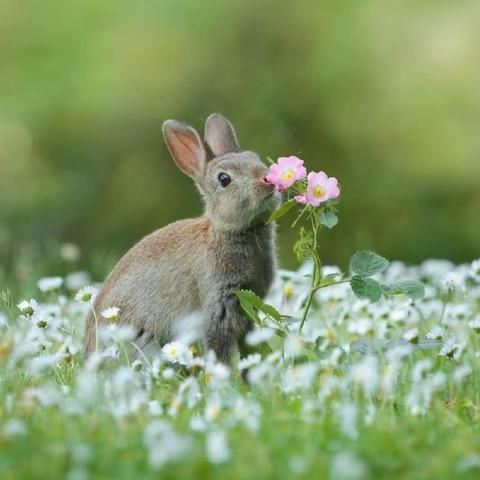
(185, 146)
(220, 135)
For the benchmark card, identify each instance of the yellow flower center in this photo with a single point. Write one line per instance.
(173, 352)
(287, 175)
(318, 191)
(287, 291)
(216, 410)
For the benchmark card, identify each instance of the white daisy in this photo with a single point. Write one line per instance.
(28, 307)
(86, 294)
(111, 313)
(176, 352)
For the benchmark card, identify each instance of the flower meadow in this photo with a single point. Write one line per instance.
(371, 372)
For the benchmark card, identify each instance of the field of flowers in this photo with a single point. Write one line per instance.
(386, 389)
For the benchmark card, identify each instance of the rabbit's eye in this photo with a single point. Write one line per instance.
(224, 179)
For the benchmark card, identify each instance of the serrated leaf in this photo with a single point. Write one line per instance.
(253, 301)
(328, 218)
(367, 263)
(413, 289)
(366, 288)
(281, 211)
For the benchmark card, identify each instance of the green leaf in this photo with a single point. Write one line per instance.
(254, 302)
(390, 289)
(413, 289)
(367, 263)
(304, 245)
(328, 218)
(366, 288)
(281, 211)
(249, 309)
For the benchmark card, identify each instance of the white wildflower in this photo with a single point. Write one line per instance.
(453, 281)
(347, 417)
(347, 466)
(176, 352)
(117, 333)
(365, 374)
(436, 333)
(111, 313)
(155, 408)
(293, 346)
(361, 326)
(168, 373)
(217, 447)
(137, 365)
(164, 445)
(70, 252)
(259, 335)
(77, 280)
(217, 373)
(47, 284)
(475, 269)
(14, 428)
(451, 350)
(86, 294)
(28, 307)
(411, 335)
(475, 324)
(299, 377)
(249, 361)
(461, 372)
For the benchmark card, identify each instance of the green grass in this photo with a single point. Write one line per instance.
(299, 433)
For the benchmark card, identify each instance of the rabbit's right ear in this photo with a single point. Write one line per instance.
(220, 136)
(186, 147)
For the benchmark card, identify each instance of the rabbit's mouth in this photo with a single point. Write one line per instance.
(266, 205)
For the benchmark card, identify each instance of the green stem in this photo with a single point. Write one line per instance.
(315, 273)
(333, 283)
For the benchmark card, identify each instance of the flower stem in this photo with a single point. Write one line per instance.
(333, 283)
(315, 273)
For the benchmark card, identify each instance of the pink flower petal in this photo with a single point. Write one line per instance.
(332, 187)
(301, 199)
(301, 172)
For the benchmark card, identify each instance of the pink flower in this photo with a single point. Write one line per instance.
(320, 188)
(286, 172)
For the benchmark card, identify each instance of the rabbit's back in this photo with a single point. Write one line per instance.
(156, 281)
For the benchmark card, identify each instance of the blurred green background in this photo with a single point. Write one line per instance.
(383, 95)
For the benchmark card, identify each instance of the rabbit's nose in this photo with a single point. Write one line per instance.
(264, 180)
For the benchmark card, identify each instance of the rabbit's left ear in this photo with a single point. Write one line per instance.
(186, 148)
(220, 136)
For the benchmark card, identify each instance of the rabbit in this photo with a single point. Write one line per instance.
(196, 265)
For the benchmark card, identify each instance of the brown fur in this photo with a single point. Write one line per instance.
(196, 265)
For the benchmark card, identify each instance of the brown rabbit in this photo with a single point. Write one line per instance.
(196, 265)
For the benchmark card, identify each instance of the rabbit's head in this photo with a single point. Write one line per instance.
(231, 181)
